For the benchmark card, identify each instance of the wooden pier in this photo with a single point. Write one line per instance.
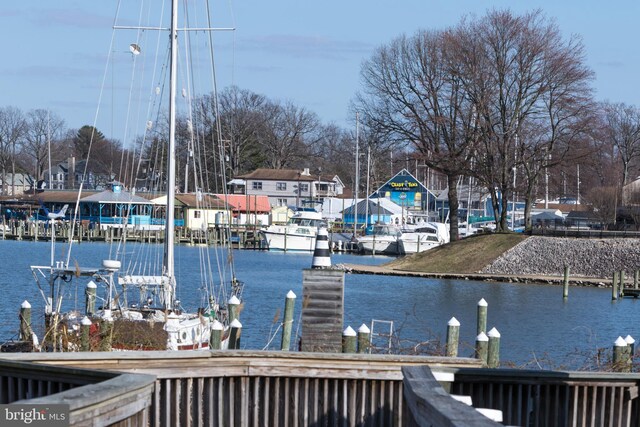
(248, 388)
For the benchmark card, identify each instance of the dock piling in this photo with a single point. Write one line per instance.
(90, 298)
(621, 359)
(234, 334)
(349, 340)
(493, 351)
(287, 321)
(482, 345)
(25, 321)
(453, 335)
(614, 286)
(85, 327)
(234, 305)
(482, 317)
(215, 339)
(364, 339)
(565, 284)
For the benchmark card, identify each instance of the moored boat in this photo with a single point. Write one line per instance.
(426, 236)
(298, 234)
(382, 239)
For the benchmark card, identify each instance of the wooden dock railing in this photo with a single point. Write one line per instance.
(553, 398)
(92, 397)
(249, 388)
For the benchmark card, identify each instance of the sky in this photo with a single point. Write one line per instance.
(307, 53)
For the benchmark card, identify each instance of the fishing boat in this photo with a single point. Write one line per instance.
(131, 299)
(298, 234)
(422, 238)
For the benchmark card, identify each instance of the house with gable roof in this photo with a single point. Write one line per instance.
(288, 187)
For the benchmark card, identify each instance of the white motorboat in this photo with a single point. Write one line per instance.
(382, 239)
(423, 238)
(298, 234)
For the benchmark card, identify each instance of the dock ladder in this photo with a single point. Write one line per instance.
(381, 340)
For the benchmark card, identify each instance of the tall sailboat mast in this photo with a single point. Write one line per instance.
(168, 264)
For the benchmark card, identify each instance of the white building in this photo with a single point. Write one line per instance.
(288, 187)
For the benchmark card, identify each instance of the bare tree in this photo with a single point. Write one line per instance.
(411, 95)
(43, 127)
(622, 127)
(604, 204)
(521, 74)
(287, 132)
(12, 130)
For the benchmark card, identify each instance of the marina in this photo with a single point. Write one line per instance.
(419, 307)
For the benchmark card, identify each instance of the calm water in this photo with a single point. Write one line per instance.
(533, 320)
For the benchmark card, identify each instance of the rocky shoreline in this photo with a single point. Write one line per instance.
(547, 256)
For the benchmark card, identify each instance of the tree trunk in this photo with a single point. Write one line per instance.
(504, 208)
(452, 180)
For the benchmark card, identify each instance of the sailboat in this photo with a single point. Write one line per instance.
(128, 305)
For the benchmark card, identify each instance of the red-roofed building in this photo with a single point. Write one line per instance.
(248, 209)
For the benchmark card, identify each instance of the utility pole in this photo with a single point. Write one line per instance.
(355, 192)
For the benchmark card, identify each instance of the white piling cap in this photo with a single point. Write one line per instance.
(349, 332)
(482, 303)
(236, 324)
(453, 322)
(234, 300)
(620, 342)
(92, 284)
(25, 304)
(363, 329)
(493, 333)
(85, 321)
(291, 295)
(216, 325)
(482, 337)
(629, 340)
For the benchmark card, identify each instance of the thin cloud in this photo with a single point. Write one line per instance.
(612, 64)
(305, 46)
(50, 73)
(72, 18)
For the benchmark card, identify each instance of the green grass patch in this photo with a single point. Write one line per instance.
(468, 255)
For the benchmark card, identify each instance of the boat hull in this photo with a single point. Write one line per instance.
(286, 240)
(375, 246)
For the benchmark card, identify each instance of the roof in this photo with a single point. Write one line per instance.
(374, 207)
(48, 196)
(206, 201)
(564, 208)
(278, 175)
(109, 196)
(238, 202)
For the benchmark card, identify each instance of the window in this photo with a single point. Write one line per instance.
(196, 214)
(281, 186)
(304, 188)
(282, 202)
(257, 185)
